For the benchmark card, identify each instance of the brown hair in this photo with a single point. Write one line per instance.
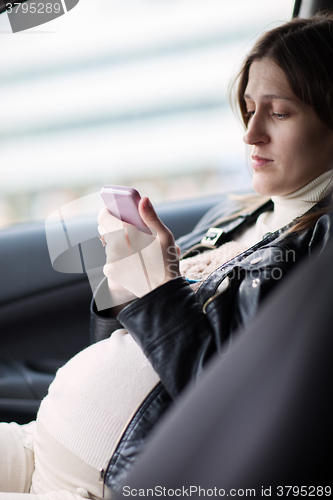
(303, 48)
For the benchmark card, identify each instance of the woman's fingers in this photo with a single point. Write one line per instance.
(152, 220)
(134, 259)
(166, 239)
(107, 222)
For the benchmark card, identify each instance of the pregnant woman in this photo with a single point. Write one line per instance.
(102, 404)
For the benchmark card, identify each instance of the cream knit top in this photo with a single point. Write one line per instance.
(287, 208)
(88, 406)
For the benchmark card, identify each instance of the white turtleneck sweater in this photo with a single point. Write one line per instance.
(287, 208)
(94, 396)
(89, 404)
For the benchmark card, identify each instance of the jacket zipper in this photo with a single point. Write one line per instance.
(102, 477)
(217, 293)
(270, 237)
(206, 304)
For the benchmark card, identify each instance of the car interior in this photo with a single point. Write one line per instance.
(38, 307)
(44, 321)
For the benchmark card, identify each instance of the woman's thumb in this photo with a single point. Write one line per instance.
(150, 217)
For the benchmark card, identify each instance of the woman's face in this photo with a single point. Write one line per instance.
(290, 145)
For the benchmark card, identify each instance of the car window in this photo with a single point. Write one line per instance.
(130, 92)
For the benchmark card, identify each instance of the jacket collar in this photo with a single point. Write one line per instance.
(228, 230)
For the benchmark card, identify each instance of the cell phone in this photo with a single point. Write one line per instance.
(123, 202)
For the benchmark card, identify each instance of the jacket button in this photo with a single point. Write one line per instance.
(255, 282)
(255, 260)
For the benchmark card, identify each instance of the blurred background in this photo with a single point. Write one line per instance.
(129, 92)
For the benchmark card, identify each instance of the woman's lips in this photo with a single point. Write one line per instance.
(260, 161)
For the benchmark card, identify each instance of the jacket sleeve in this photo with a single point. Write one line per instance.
(174, 333)
(179, 331)
(102, 323)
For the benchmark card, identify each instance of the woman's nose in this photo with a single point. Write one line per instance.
(256, 131)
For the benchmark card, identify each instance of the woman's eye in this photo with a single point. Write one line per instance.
(279, 116)
(249, 114)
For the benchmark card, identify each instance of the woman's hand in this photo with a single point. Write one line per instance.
(137, 262)
(170, 251)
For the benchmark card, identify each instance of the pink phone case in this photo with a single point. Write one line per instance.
(122, 202)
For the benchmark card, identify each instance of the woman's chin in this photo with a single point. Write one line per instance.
(263, 187)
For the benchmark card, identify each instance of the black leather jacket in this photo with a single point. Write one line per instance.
(179, 331)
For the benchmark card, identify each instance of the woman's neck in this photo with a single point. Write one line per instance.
(290, 206)
(287, 208)
(307, 195)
